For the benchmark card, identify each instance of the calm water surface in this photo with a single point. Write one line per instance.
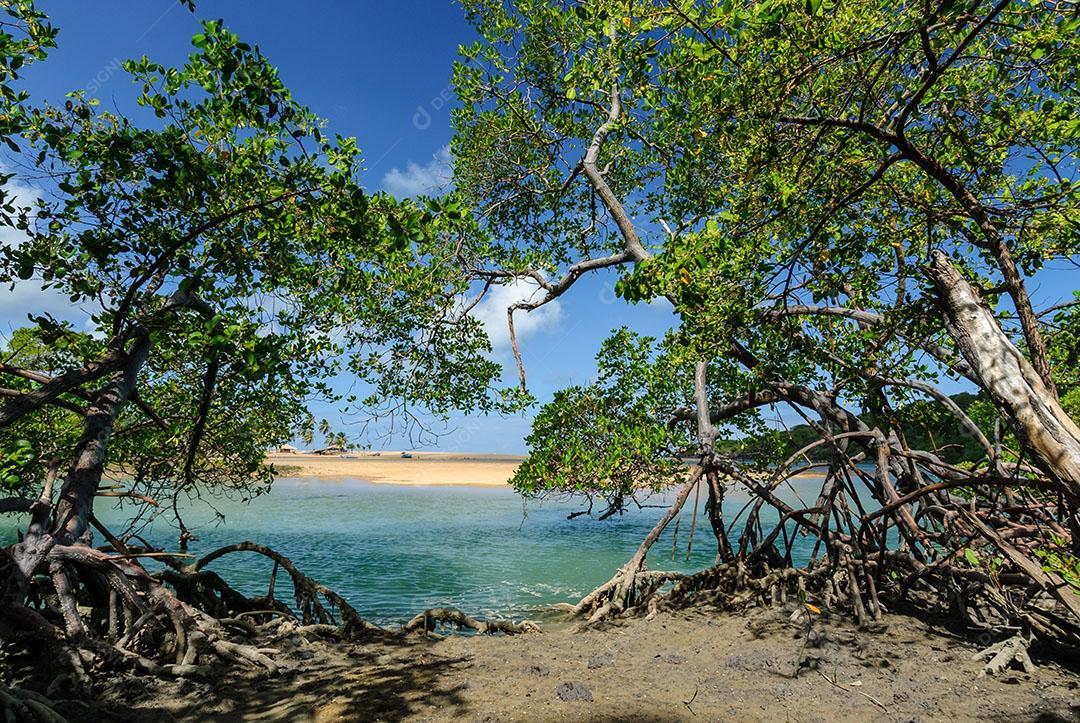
(393, 551)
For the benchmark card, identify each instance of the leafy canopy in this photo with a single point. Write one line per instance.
(787, 166)
(223, 233)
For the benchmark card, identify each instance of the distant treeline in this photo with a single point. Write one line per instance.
(924, 425)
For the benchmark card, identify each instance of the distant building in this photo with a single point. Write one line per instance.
(287, 449)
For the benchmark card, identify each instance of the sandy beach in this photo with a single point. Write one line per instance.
(455, 468)
(424, 468)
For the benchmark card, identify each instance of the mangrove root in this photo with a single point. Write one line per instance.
(1001, 656)
(26, 706)
(429, 619)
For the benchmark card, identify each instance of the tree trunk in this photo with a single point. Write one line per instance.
(714, 507)
(77, 497)
(72, 512)
(1005, 374)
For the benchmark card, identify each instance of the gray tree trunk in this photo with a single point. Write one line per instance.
(1008, 377)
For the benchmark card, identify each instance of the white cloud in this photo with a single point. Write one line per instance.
(432, 178)
(491, 312)
(19, 194)
(27, 297)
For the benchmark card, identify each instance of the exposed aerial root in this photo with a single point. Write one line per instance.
(993, 545)
(428, 620)
(1001, 656)
(208, 590)
(25, 706)
(633, 584)
(100, 610)
(622, 594)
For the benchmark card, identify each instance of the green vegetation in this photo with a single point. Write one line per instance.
(232, 265)
(844, 203)
(203, 244)
(618, 429)
(923, 425)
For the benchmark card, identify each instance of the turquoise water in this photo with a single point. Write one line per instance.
(393, 551)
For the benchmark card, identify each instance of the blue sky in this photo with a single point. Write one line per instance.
(379, 71)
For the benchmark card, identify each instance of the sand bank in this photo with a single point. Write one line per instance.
(424, 468)
(469, 469)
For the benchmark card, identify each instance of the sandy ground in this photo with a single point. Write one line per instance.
(425, 468)
(447, 468)
(686, 666)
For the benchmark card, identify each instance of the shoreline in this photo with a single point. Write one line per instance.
(432, 469)
(423, 469)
